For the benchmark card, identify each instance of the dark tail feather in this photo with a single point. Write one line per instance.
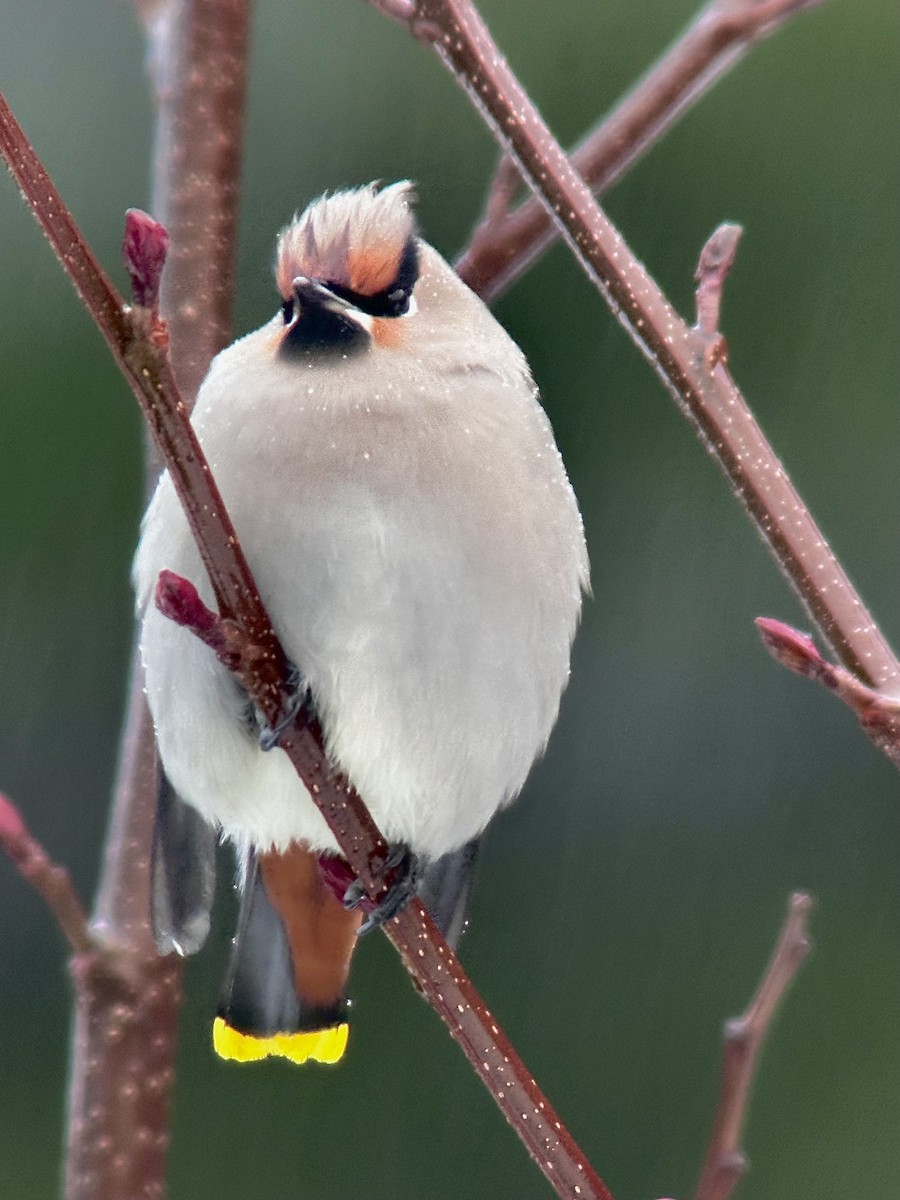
(445, 887)
(285, 990)
(183, 874)
(259, 997)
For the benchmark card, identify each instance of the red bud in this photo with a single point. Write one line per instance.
(178, 599)
(144, 248)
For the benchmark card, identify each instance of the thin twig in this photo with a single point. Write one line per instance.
(720, 35)
(878, 714)
(51, 881)
(725, 1161)
(424, 951)
(708, 397)
(502, 189)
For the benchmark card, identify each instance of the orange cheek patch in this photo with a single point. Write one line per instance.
(375, 268)
(387, 332)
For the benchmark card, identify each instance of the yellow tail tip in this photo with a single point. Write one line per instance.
(321, 1045)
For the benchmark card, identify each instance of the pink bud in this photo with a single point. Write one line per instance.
(179, 600)
(11, 824)
(793, 649)
(144, 248)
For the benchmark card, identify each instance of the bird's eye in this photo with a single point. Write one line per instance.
(287, 310)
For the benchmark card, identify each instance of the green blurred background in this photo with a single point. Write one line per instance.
(627, 904)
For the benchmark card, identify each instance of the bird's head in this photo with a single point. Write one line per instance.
(346, 268)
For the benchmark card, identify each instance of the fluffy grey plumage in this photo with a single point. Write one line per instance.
(409, 522)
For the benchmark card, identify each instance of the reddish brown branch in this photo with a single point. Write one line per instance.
(51, 881)
(503, 187)
(449, 990)
(707, 396)
(505, 245)
(127, 998)
(725, 1162)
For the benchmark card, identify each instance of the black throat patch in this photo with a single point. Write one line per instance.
(321, 332)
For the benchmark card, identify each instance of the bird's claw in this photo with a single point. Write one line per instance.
(298, 697)
(405, 865)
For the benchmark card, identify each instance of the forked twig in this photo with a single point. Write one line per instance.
(504, 245)
(725, 1162)
(878, 713)
(700, 383)
(51, 881)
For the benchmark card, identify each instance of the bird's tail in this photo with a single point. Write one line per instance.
(285, 993)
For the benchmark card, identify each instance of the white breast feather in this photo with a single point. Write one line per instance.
(413, 534)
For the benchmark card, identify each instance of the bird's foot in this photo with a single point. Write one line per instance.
(298, 699)
(403, 865)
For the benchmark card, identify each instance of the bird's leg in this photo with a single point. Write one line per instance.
(405, 868)
(298, 699)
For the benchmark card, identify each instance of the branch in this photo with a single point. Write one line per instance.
(501, 192)
(725, 1162)
(702, 388)
(878, 713)
(198, 65)
(51, 881)
(127, 998)
(505, 244)
(429, 960)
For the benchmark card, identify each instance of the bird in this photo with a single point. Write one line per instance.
(404, 509)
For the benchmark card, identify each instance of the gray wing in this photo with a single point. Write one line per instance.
(445, 887)
(183, 874)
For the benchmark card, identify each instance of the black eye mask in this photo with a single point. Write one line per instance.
(392, 301)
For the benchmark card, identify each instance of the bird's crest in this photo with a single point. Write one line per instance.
(355, 238)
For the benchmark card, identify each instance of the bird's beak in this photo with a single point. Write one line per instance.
(311, 293)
